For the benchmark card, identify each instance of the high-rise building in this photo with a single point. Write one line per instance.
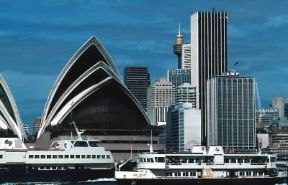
(183, 128)
(177, 48)
(160, 95)
(208, 53)
(278, 103)
(267, 115)
(186, 56)
(137, 79)
(186, 93)
(179, 76)
(231, 111)
(36, 125)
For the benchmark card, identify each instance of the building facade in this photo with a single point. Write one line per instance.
(179, 76)
(161, 95)
(137, 80)
(231, 112)
(186, 56)
(183, 128)
(208, 53)
(186, 93)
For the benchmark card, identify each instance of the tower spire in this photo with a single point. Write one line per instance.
(179, 29)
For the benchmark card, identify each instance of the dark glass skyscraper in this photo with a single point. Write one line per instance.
(137, 79)
(208, 53)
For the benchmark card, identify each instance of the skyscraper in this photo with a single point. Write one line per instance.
(183, 128)
(186, 56)
(231, 111)
(177, 48)
(137, 79)
(160, 96)
(208, 53)
(186, 93)
(179, 76)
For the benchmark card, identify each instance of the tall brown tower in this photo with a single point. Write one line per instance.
(177, 47)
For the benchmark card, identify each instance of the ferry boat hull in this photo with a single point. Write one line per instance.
(191, 181)
(29, 174)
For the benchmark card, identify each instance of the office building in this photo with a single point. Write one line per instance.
(231, 111)
(267, 116)
(161, 95)
(278, 103)
(179, 76)
(36, 125)
(186, 93)
(137, 80)
(186, 56)
(183, 128)
(208, 53)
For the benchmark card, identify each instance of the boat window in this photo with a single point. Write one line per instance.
(37, 156)
(42, 156)
(93, 143)
(78, 156)
(160, 159)
(66, 156)
(98, 156)
(273, 159)
(108, 156)
(103, 156)
(54, 156)
(88, 156)
(30, 156)
(148, 160)
(72, 156)
(1, 156)
(81, 144)
(93, 156)
(61, 156)
(83, 156)
(48, 156)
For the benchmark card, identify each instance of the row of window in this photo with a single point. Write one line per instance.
(69, 156)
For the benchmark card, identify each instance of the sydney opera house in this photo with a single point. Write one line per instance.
(11, 127)
(89, 92)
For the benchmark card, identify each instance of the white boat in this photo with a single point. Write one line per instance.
(65, 160)
(203, 166)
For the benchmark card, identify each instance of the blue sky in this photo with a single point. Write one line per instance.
(37, 38)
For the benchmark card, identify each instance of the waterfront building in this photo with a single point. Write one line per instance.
(186, 56)
(177, 48)
(231, 111)
(137, 80)
(10, 122)
(186, 93)
(267, 115)
(90, 92)
(183, 128)
(161, 95)
(208, 53)
(278, 144)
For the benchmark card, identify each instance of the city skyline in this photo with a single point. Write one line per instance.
(36, 41)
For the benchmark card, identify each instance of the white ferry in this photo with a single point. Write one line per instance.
(65, 160)
(203, 166)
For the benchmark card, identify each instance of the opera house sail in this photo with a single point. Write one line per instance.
(12, 132)
(90, 92)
